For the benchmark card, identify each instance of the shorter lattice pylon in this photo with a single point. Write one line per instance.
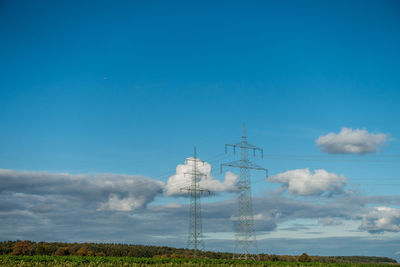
(195, 236)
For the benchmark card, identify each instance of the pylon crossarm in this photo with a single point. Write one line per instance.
(244, 164)
(199, 191)
(195, 160)
(195, 174)
(244, 145)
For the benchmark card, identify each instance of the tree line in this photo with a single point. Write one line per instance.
(31, 248)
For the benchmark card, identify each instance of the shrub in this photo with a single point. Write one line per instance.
(304, 258)
(22, 248)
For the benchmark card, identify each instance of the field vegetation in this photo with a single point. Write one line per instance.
(27, 253)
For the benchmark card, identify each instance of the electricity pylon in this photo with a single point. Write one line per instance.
(195, 237)
(245, 231)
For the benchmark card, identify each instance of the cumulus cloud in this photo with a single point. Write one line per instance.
(381, 219)
(349, 141)
(81, 208)
(182, 178)
(303, 182)
(105, 191)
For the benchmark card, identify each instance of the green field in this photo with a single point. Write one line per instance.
(7, 260)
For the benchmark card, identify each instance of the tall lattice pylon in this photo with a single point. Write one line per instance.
(195, 237)
(246, 240)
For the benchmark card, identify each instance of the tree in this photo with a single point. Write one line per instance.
(304, 258)
(62, 251)
(274, 257)
(83, 251)
(43, 248)
(22, 248)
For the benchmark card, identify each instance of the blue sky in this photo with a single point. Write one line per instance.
(124, 87)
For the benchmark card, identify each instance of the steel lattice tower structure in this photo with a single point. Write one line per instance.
(195, 237)
(245, 231)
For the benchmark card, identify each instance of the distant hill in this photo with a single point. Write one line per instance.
(122, 250)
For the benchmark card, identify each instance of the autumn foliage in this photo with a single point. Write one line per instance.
(30, 248)
(22, 248)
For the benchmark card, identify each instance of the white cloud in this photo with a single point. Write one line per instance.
(350, 141)
(122, 204)
(182, 178)
(106, 191)
(381, 219)
(304, 183)
(270, 215)
(48, 206)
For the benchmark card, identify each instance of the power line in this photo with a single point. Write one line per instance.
(318, 158)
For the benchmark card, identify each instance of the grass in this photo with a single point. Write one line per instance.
(6, 260)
